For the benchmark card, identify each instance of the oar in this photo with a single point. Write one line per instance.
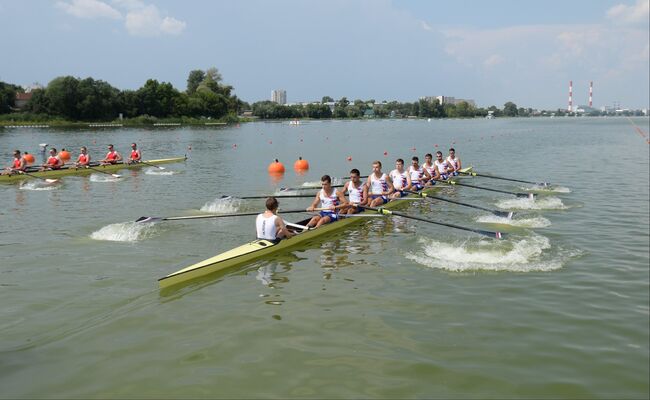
(505, 214)
(38, 177)
(157, 219)
(545, 184)
(103, 172)
(153, 165)
(224, 197)
(497, 235)
(289, 189)
(527, 195)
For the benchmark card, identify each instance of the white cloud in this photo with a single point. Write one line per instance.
(630, 15)
(147, 21)
(129, 4)
(89, 9)
(425, 26)
(493, 60)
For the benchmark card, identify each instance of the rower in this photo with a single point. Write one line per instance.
(330, 200)
(401, 180)
(84, 158)
(443, 168)
(53, 162)
(419, 175)
(380, 185)
(454, 162)
(269, 225)
(135, 156)
(112, 157)
(431, 169)
(18, 164)
(357, 193)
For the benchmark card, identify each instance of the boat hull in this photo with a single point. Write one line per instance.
(86, 171)
(261, 248)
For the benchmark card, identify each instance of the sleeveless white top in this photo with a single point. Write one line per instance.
(429, 169)
(453, 162)
(328, 201)
(416, 174)
(442, 167)
(399, 179)
(266, 228)
(355, 193)
(378, 185)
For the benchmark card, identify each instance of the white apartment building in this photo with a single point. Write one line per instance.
(279, 96)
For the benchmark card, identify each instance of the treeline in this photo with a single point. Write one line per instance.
(88, 99)
(343, 108)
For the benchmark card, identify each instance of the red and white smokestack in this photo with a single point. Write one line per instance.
(591, 93)
(570, 96)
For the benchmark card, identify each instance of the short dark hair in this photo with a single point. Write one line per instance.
(326, 178)
(355, 171)
(438, 152)
(415, 158)
(377, 162)
(428, 155)
(399, 160)
(271, 203)
(452, 149)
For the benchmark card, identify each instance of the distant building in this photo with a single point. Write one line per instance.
(442, 100)
(22, 99)
(279, 96)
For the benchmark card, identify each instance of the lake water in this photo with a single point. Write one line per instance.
(390, 308)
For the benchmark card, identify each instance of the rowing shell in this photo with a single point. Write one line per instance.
(261, 248)
(87, 171)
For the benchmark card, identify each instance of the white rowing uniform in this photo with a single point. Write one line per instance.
(378, 185)
(429, 168)
(416, 176)
(328, 201)
(266, 228)
(399, 179)
(453, 162)
(355, 193)
(441, 166)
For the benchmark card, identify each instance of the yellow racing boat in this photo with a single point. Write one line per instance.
(261, 248)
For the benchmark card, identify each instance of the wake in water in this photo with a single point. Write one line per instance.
(124, 232)
(222, 206)
(536, 222)
(547, 189)
(103, 178)
(529, 254)
(540, 203)
(156, 171)
(37, 185)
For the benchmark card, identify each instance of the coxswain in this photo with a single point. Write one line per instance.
(135, 156)
(330, 200)
(269, 225)
(380, 186)
(17, 166)
(112, 157)
(401, 180)
(84, 158)
(443, 168)
(53, 161)
(419, 175)
(357, 193)
(454, 162)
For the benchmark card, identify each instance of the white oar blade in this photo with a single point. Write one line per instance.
(51, 180)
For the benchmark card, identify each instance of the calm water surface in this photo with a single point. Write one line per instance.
(390, 308)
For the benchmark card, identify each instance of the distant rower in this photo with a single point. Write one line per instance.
(357, 193)
(112, 157)
(269, 225)
(379, 185)
(135, 156)
(330, 200)
(53, 161)
(18, 164)
(84, 158)
(454, 162)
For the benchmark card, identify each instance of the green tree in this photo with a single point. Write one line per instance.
(510, 109)
(327, 99)
(8, 96)
(194, 80)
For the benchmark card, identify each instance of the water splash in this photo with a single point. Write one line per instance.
(103, 178)
(536, 222)
(540, 203)
(37, 185)
(222, 206)
(124, 232)
(547, 189)
(533, 253)
(155, 171)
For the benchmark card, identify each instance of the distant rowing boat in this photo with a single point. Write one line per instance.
(261, 248)
(71, 170)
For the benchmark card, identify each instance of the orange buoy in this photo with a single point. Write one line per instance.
(385, 153)
(64, 154)
(300, 164)
(29, 159)
(276, 167)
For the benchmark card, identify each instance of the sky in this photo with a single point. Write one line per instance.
(492, 52)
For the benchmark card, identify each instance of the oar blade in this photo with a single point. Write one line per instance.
(51, 180)
(145, 220)
(504, 214)
(495, 235)
(530, 196)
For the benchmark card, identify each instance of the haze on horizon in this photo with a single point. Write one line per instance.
(361, 49)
